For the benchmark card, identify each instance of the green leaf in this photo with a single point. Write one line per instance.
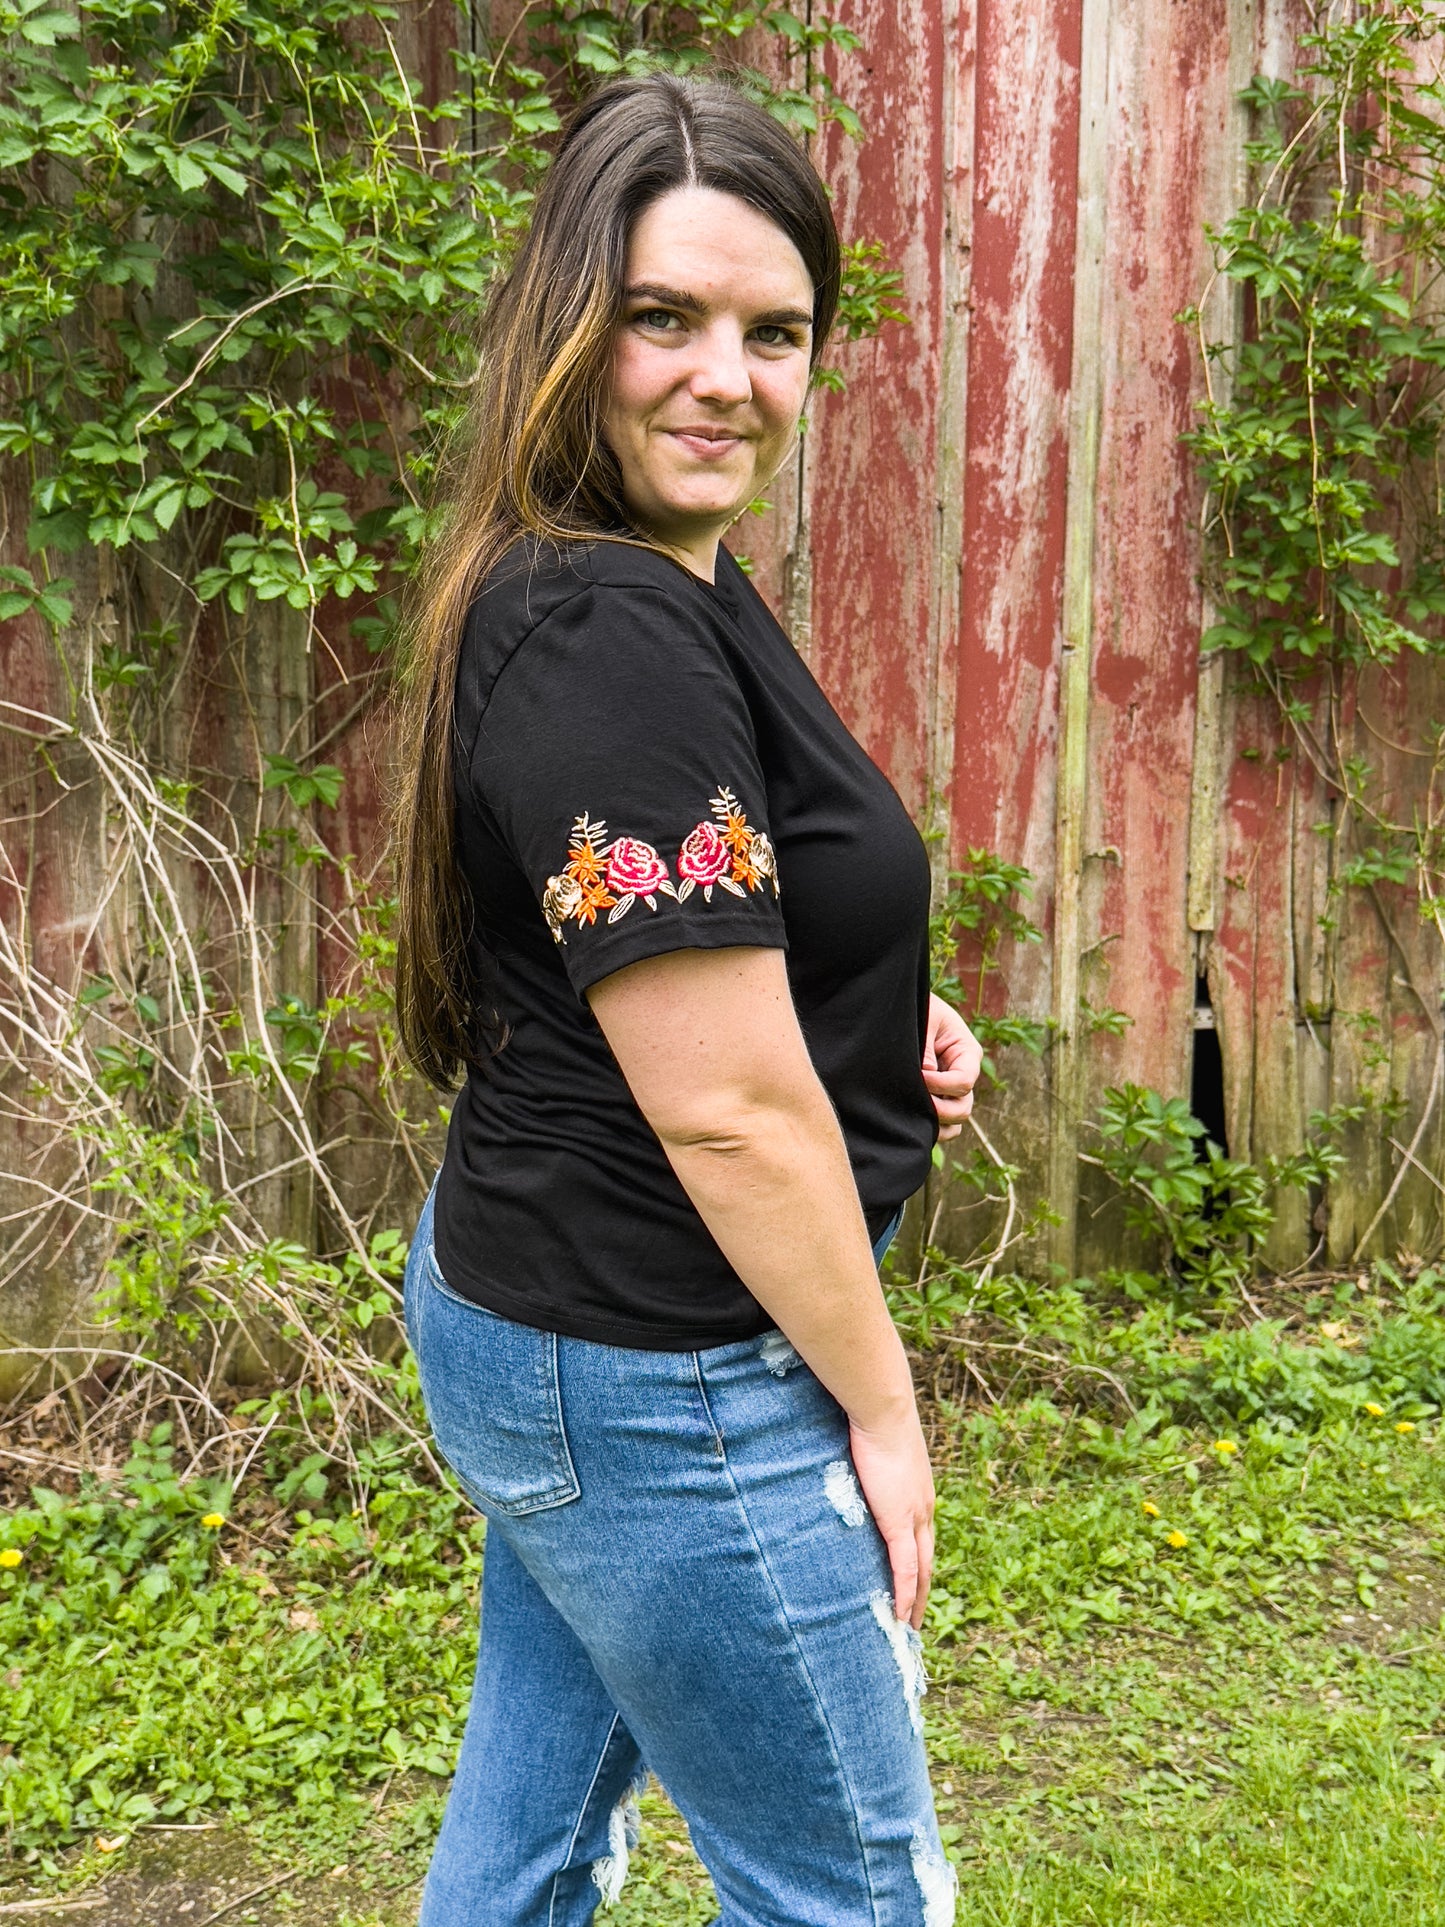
(187, 174)
(54, 605)
(323, 784)
(64, 530)
(45, 28)
(228, 177)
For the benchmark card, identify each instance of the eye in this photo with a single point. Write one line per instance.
(661, 319)
(776, 334)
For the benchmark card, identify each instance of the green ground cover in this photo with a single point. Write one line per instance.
(1173, 1682)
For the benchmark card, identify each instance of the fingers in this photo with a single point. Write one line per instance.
(911, 1559)
(903, 1557)
(952, 1109)
(925, 1575)
(952, 1062)
(952, 1082)
(952, 1094)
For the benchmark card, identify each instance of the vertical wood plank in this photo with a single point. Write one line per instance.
(1086, 397)
(1387, 1016)
(874, 449)
(960, 73)
(1020, 302)
(1222, 312)
(1174, 124)
(57, 913)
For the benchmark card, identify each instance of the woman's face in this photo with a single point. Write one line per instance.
(710, 367)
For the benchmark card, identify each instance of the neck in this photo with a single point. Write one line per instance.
(695, 548)
(699, 558)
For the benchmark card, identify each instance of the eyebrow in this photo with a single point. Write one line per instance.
(680, 298)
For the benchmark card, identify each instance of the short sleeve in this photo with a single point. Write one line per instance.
(618, 758)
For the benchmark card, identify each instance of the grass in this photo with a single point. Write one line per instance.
(1126, 1730)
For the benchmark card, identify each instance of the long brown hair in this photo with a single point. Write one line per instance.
(532, 460)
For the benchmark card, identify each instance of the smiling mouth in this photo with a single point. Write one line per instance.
(707, 440)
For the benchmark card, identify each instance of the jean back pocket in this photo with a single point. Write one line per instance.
(493, 1399)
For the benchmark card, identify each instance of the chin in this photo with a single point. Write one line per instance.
(684, 508)
(709, 493)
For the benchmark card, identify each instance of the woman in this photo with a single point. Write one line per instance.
(672, 922)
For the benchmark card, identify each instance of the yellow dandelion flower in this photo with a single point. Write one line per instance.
(1151, 1511)
(1375, 1411)
(1225, 1445)
(1177, 1539)
(10, 1558)
(1404, 1426)
(214, 1519)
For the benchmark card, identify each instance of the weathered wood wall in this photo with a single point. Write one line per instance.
(988, 549)
(1003, 558)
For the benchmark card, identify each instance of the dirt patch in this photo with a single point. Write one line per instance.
(1408, 1606)
(193, 1879)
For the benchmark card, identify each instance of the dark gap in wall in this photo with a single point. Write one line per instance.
(1206, 1080)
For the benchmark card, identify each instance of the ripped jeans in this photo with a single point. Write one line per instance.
(680, 1576)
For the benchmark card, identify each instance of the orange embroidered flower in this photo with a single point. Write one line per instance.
(579, 890)
(735, 831)
(727, 854)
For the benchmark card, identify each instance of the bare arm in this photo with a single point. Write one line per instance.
(709, 1043)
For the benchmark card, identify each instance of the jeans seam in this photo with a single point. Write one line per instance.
(581, 1816)
(802, 1657)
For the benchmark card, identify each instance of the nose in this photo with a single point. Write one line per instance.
(721, 375)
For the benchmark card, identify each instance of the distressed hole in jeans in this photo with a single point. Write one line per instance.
(907, 1650)
(778, 1354)
(843, 1494)
(624, 1829)
(937, 1881)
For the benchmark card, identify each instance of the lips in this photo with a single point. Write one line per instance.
(706, 441)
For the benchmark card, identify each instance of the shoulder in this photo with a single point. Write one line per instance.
(534, 580)
(598, 604)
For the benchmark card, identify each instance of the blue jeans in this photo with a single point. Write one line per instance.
(680, 1576)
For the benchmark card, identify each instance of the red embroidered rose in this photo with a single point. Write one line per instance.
(704, 857)
(634, 868)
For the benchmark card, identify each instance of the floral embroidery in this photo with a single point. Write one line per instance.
(599, 875)
(705, 859)
(602, 876)
(727, 852)
(634, 870)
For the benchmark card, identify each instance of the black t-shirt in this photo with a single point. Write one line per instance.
(644, 764)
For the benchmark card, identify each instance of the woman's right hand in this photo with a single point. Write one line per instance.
(892, 1466)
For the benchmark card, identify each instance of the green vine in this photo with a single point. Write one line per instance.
(1333, 416)
(1321, 440)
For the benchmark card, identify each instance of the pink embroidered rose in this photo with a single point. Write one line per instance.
(704, 857)
(634, 868)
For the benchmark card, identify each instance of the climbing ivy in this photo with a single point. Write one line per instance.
(243, 257)
(1333, 412)
(1321, 438)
